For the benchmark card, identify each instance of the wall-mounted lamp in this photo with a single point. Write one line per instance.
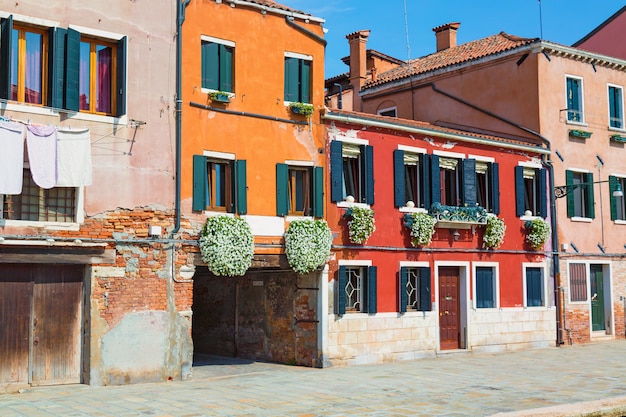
(563, 190)
(455, 234)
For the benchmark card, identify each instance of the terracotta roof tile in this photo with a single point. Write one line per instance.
(469, 51)
(273, 4)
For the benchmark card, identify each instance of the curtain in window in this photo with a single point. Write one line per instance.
(103, 79)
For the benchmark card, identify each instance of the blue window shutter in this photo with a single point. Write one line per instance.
(541, 192)
(613, 181)
(340, 307)
(590, 197)
(199, 183)
(368, 153)
(226, 68)
(72, 70)
(6, 32)
(435, 180)
(469, 182)
(210, 65)
(318, 192)
(371, 290)
(292, 79)
(520, 191)
(336, 170)
(120, 94)
(56, 67)
(484, 288)
(533, 287)
(402, 296)
(242, 189)
(282, 189)
(569, 181)
(399, 198)
(424, 169)
(424, 289)
(305, 81)
(494, 187)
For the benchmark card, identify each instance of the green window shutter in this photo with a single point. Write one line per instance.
(282, 189)
(371, 290)
(340, 307)
(399, 198)
(520, 191)
(402, 296)
(210, 65)
(494, 187)
(292, 79)
(590, 212)
(72, 70)
(424, 289)
(367, 153)
(469, 182)
(241, 187)
(424, 179)
(305, 81)
(533, 287)
(226, 68)
(573, 103)
(6, 32)
(336, 171)
(199, 183)
(318, 192)
(542, 192)
(120, 94)
(435, 181)
(569, 181)
(56, 67)
(484, 288)
(613, 181)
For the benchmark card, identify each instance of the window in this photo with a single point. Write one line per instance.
(485, 287)
(389, 112)
(414, 289)
(410, 178)
(56, 204)
(533, 284)
(488, 186)
(217, 64)
(356, 289)
(450, 181)
(580, 194)
(574, 91)
(96, 81)
(530, 191)
(352, 172)
(618, 207)
(298, 78)
(219, 185)
(616, 107)
(28, 70)
(299, 190)
(578, 282)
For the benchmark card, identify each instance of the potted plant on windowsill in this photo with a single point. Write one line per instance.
(360, 223)
(537, 232)
(422, 227)
(303, 109)
(219, 96)
(494, 232)
(227, 245)
(307, 244)
(618, 138)
(579, 133)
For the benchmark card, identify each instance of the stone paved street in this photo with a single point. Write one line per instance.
(450, 385)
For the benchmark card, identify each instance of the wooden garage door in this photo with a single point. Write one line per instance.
(41, 309)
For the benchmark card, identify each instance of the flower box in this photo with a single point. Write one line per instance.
(303, 109)
(577, 133)
(458, 217)
(618, 138)
(219, 97)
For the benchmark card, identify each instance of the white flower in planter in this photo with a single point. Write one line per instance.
(537, 231)
(227, 245)
(494, 232)
(361, 224)
(307, 244)
(422, 228)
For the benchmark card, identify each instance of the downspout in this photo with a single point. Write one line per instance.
(290, 22)
(180, 18)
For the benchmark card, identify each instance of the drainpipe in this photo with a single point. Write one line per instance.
(340, 98)
(180, 18)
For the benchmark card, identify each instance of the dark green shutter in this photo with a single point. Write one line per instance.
(494, 187)
(469, 182)
(569, 181)
(589, 209)
(56, 67)
(120, 94)
(435, 180)
(542, 192)
(336, 170)
(368, 161)
(282, 189)
(399, 198)
(533, 287)
(371, 290)
(424, 180)
(242, 190)
(402, 296)
(613, 181)
(305, 81)
(6, 32)
(226, 68)
(484, 288)
(572, 100)
(199, 183)
(520, 191)
(340, 307)
(72, 70)
(291, 79)
(210, 65)
(318, 192)
(424, 289)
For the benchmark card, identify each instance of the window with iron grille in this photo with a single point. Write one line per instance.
(414, 289)
(356, 291)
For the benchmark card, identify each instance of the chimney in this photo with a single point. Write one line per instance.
(446, 35)
(358, 64)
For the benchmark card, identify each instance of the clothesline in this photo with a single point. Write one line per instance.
(72, 128)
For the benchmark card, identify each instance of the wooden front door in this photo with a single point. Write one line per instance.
(41, 323)
(597, 298)
(449, 320)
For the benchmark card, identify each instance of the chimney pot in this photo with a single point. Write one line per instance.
(446, 35)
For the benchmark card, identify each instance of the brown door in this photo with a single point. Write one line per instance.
(449, 323)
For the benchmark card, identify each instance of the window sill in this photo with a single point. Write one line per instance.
(581, 219)
(616, 129)
(346, 204)
(619, 221)
(529, 218)
(291, 218)
(217, 213)
(412, 210)
(571, 122)
(71, 115)
(40, 225)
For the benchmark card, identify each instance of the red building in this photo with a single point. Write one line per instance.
(601, 40)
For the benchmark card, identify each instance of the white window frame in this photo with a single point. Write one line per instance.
(582, 101)
(355, 142)
(412, 264)
(619, 87)
(362, 289)
(205, 38)
(544, 283)
(580, 218)
(496, 288)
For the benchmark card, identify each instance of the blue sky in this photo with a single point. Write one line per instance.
(563, 21)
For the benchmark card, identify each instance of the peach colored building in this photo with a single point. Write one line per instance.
(540, 92)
